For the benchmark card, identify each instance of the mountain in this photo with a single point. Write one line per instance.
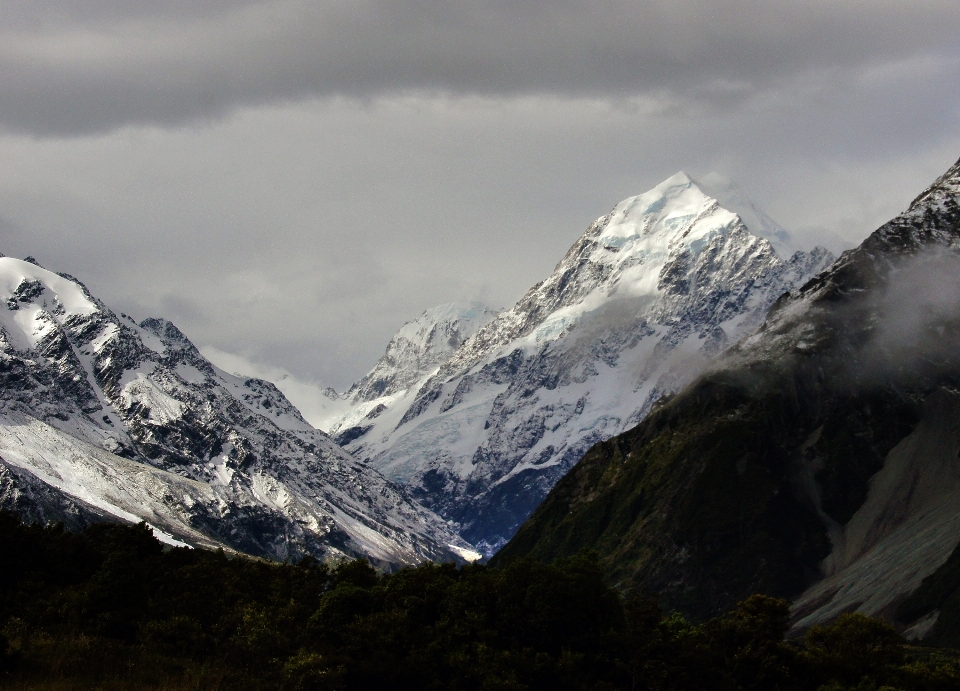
(646, 296)
(414, 353)
(420, 347)
(101, 417)
(816, 460)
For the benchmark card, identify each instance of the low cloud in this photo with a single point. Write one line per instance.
(317, 408)
(303, 236)
(905, 331)
(918, 317)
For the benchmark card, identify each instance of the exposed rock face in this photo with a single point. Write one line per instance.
(905, 529)
(817, 460)
(634, 310)
(102, 416)
(420, 347)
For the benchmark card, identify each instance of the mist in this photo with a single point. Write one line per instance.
(919, 313)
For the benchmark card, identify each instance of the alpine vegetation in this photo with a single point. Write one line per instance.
(111, 608)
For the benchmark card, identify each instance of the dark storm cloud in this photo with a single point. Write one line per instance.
(80, 67)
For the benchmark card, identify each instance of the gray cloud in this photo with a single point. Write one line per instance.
(81, 67)
(922, 298)
(304, 236)
(291, 181)
(916, 328)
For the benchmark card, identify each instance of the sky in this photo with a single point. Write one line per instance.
(291, 181)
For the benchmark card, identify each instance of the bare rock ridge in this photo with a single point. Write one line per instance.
(816, 460)
(101, 417)
(638, 305)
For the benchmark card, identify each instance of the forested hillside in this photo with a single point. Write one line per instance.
(112, 608)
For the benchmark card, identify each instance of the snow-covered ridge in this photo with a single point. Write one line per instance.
(420, 347)
(649, 293)
(732, 198)
(129, 420)
(414, 354)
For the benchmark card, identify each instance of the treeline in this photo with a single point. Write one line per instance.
(111, 608)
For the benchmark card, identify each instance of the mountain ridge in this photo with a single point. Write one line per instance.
(814, 460)
(635, 307)
(131, 420)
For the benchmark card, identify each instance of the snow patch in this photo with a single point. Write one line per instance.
(104, 337)
(144, 391)
(70, 296)
(465, 554)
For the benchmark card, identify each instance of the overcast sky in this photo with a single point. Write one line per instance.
(291, 181)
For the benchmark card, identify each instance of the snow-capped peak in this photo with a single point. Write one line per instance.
(19, 277)
(443, 329)
(675, 211)
(634, 309)
(102, 417)
(643, 249)
(680, 197)
(729, 195)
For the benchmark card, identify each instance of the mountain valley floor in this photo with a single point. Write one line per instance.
(111, 607)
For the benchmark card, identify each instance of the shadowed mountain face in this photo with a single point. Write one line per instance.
(635, 309)
(101, 417)
(817, 460)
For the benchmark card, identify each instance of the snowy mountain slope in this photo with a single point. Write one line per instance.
(129, 420)
(641, 301)
(732, 198)
(420, 347)
(414, 353)
(35, 501)
(815, 460)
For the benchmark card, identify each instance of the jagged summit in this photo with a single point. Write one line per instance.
(420, 346)
(682, 189)
(639, 303)
(101, 417)
(731, 197)
(674, 213)
(644, 249)
(945, 189)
